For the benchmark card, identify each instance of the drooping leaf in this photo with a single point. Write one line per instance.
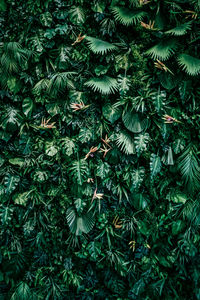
(104, 85)
(155, 165)
(180, 29)
(134, 122)
(99, 46)
(27, 106)
(111, 113)
(127, 16)
(190, 64)
(163, 50)
(125, 142)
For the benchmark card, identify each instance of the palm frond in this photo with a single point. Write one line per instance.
(104, 85)
(180, 29)
(134, 122)
(59, 81)
(99, 46)
(190, 64)
(125, 142)
(79, 224)
(127, 16)
(189, 167)
(163, 50)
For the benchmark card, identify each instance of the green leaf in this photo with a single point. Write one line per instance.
(94, 249)
(104, 85)
(99, 46)
(141, 141)
(177, 197)
(125, 142)
(79, 171)
(190, 64)
(79, 224)
(134, 122)
(6, 214)
(77, 15)
(27, 107)
(51, 149)
(17, 161)
(21, 199)
(11, 183)
(188, 164)
(46, 19)
(111, 113)
(180, 29)
(177, 227)
(3, 5)
(127, 16)
(155, 165)
(163, 50)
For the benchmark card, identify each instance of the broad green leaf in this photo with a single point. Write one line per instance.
(134, 122)
(11, 183)
(155, 165)
(17, 161)
(51, 149)
(27, 106)
(111, 113)
(21, 199)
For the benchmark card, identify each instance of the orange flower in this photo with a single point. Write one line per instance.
(92, 150)
(45, 124)
(79, 39)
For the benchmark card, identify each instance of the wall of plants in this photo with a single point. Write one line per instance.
(99, 149)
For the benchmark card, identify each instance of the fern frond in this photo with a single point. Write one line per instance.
(190, 64)
(163, 50)
(99, 46)
(104, 85)
(127, 16)
(180, 29)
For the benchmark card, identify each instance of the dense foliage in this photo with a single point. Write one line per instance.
(99, 139)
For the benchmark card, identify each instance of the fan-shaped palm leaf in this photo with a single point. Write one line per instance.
(98, 46)
(127, 16)
(180, 29)
(134, 122)
(104, 85)
(189, 167)
(163, 50)
(189, 64)
(125, 142)
(79, 224)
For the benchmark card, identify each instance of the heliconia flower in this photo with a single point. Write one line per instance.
(191, 13)
(148, 26)
(78, 106)
(45, 124)
(169, 120)
(160, 65)
(79, 39)
(96, 195)
(90, 180)
(92, 150)
(132, 245)
(117, 223)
